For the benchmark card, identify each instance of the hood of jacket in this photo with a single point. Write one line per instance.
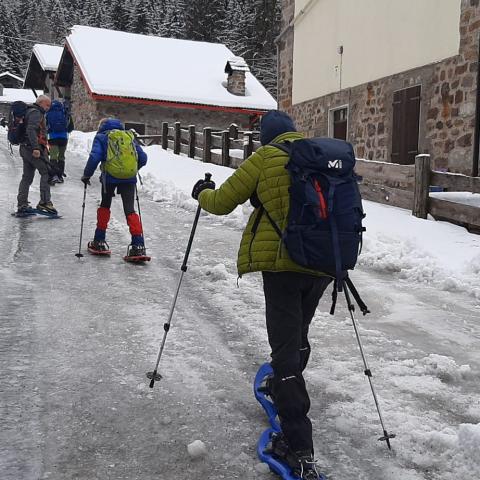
(111, 124)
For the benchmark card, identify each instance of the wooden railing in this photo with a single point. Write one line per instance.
(221, 147)
(404, 186)
(409, 186)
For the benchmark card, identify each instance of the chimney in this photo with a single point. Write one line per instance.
(1, 90)
(236, 69)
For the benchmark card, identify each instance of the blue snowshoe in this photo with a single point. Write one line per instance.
(272, 448)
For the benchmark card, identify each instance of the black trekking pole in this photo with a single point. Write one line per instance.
(155, 376)
(138, 206)
(351, 308)
(79, 254)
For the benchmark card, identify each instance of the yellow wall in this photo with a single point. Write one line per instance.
(379, 37)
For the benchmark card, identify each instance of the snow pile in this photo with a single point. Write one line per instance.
(197, 449)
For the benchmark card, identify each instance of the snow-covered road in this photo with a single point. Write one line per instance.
(77, 336)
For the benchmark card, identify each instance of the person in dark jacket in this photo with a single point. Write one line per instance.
(59, 125)
(34, 153)
(110, 184)
(292, 292)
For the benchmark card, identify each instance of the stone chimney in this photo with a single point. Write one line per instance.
(236, 69)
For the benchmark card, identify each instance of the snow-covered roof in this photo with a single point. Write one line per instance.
(11, 75)
(165, 69)
(13, 94)
(48, 56)
(237, 64)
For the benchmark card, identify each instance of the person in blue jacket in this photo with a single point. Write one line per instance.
(125, 187)
(59, 125)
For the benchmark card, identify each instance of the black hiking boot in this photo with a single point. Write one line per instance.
(47, 207)
(267, 387)
(136, 251)
(100, 246)
(302, 463)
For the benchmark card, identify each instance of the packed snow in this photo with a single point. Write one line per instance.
(198, 78)
(48, 56)
(421, 343)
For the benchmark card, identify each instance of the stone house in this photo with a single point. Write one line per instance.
(146, 80)
(9, 80)
(41, 70)
(393, 78)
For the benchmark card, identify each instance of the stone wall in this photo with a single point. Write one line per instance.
(447, 116)
(87, 113)
(285, 57)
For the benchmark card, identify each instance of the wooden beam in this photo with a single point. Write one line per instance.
(458, 213)
(422, 186)
(455, 182)
(391, 174)
(192, 140)
(247, 144)
(207, 145)
(165, 135)
(226, 148)
(177, 140)
(387, 195)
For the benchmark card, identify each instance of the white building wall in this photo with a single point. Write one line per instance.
(379, 38)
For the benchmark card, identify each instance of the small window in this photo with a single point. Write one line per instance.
(138, 127)
(339, 123)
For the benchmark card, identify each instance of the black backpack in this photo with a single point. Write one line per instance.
(324, 230)
(16, 123)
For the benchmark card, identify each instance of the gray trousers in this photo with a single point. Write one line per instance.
(30, 164)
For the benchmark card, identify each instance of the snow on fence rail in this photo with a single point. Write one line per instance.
(404, 186)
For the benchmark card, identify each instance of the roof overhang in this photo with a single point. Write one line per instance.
(36, 75)
(64, 78)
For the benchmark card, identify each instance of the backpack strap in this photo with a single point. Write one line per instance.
(284, 147)
(348, 284)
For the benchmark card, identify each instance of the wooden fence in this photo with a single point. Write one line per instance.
(409, 186)
(404, 186)
(221, 147)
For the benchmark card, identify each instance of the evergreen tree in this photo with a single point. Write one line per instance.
(120, 15)
(12, 47)
(204, 19)
(140, 21)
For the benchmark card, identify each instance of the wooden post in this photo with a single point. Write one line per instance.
(178, 138)
(422, 186)
(233, 130)
(247, 144)
(226, 148)
(165, 135)
(191, 141)
(207, 145)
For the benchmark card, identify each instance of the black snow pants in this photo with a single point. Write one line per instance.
(291, 299)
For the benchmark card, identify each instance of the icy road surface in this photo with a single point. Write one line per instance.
(77, 336)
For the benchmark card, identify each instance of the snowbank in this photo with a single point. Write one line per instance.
(436, 253)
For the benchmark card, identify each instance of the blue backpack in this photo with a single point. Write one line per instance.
(16, 123)
(324, 230)
(57, 118)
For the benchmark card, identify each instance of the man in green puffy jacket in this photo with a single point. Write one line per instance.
(291, 292)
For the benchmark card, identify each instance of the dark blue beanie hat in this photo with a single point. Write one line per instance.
(273, 124)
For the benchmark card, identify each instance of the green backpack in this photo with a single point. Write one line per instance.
(122, 159)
